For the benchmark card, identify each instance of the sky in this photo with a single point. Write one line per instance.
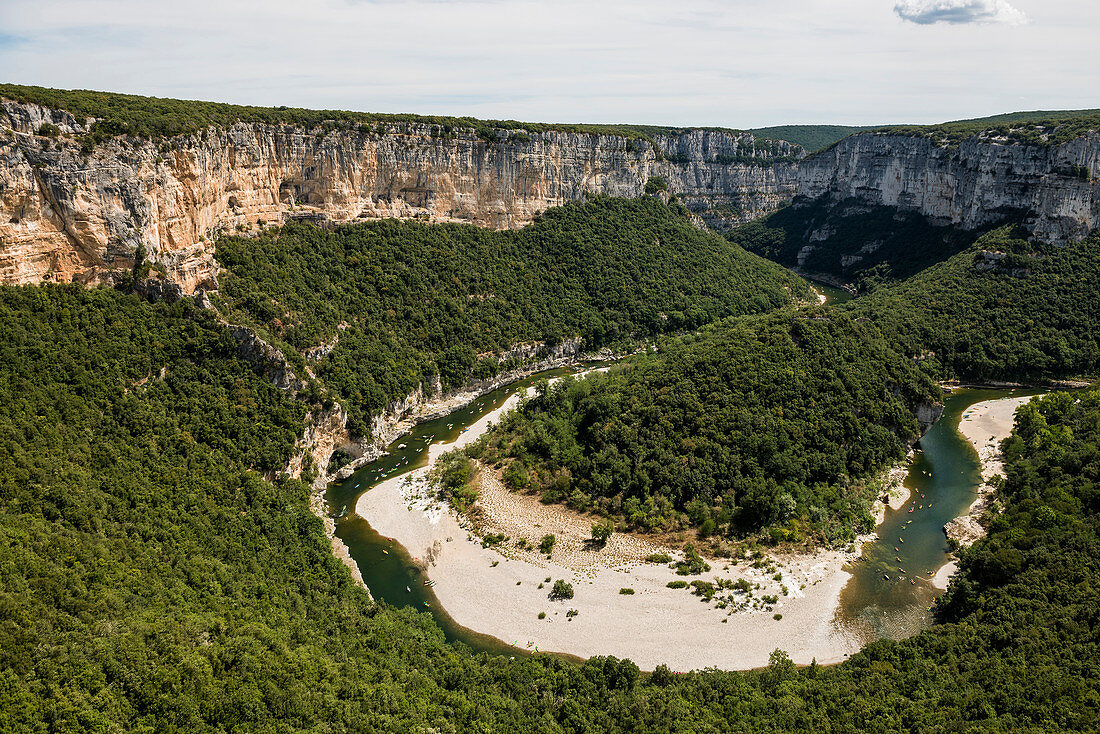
(729, 63)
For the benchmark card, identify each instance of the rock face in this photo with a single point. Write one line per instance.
(65, 216)
(1055, 189)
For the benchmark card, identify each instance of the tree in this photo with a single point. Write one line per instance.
(546, 545)
(601, 531)
(561, 590)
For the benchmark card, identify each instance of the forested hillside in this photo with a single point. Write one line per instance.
(409, 300)
(759, 424)
(152, 580)
(1003, 309)
(851, 242)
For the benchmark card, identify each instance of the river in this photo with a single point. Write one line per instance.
(890, 592)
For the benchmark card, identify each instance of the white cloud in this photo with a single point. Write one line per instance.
(926, 12)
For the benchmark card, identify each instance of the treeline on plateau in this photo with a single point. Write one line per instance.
(158, 117)
(411, 301)
(773, 423)
(152, 580)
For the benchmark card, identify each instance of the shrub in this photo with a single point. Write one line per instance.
(561, 590)
(601, 531)
(626, 591)
(693, 564)
(677, 584)
(546, 545)
(659, 558)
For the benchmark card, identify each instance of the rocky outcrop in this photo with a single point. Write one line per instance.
(964, 531)
(1053, 189)
(328, 431)
(67, 216)
(74, 214)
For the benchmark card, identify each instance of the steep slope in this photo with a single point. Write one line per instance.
(1003, 309)
(88, 178)
(76, 203)
(1050, 184)
(387, 309)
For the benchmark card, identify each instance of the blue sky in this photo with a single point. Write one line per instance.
(736, 63)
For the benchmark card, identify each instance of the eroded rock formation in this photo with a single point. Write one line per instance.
(68, 216)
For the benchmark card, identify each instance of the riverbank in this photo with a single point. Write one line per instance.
(985, 425)
(501, 590)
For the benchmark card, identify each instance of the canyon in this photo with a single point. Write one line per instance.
(68, 214)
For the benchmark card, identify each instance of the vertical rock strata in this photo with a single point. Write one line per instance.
(67, 216)
(1053, 189)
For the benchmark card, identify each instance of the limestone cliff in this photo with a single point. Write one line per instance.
(1054, 189)
(67, 216)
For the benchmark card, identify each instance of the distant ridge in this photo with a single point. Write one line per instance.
(810, 137)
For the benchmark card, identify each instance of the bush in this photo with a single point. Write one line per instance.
(693, 564)
(626, 591)
(49, 130)
(658, 558)
(677, 584)
(601, 531)
(546, 545)
(515, 475)
(561, 590)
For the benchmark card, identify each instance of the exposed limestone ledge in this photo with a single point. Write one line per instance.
(69, 217)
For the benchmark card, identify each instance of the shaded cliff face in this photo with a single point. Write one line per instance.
(1054, 189)
(65, 216)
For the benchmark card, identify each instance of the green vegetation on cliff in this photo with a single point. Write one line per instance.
(410, 301)
(1041, 127)
(1003, 309)
(810, 137)
(153, 581)
(770, 424)
(157, 117)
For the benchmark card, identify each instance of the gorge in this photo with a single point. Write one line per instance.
(70, 211)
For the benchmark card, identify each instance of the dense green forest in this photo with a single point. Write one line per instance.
(1003, 309)
(152, 580)
(853, 242)
(811, 137)
(1040, 127)
(410, 301)
(156, 117)
(766, 424)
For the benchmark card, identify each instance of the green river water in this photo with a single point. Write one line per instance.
(889, 594)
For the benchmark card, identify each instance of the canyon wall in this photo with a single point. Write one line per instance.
(1053, 189)
(67, 216)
